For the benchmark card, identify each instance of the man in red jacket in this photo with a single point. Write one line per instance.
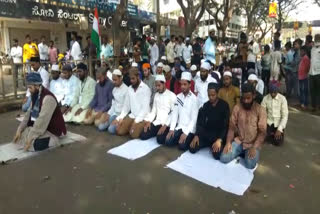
(43, 123)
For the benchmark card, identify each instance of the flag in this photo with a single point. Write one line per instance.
(95, 34)
(273, 10)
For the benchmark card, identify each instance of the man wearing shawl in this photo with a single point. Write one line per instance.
(43, 123)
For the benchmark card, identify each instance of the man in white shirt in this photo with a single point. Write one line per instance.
(178, 48)
(184, 116)
(187, 51)
(43, 50)
(16, 54)
(277, 114)
(276, 60)
(76, 52)
(201, 84)
(170, 51)
(35, 65)
(69, 83)
(137, 103)
(154, 54)
(119, 94)
(56, 86)
(158, 120)
(159, 68)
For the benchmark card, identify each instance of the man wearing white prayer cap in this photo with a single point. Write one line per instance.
(119, 93)
(201, 84)
(184, 116)
(158, 120)
(164, 60)
(194, 72)
(159, 68)
(228, 92)
(56, 83)
(258, 83)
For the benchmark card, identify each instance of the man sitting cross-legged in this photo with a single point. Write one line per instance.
(119, 94)
(84, 93)
(101, 102)
(212, 123)
(277, 114)
(137, 103)
(43, 123)
(184, 116)
(247, 130)
(158, 120)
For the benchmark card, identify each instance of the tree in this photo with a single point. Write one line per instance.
(120, 33)
(285, 7)
(192, 12)
(225, 10)
(317, 2)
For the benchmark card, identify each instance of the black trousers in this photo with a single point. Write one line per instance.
(203, 142)
(152, 132)
(271, 130)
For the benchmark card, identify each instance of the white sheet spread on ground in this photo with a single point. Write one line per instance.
(232, 177)
(13, 152)
(135, 149)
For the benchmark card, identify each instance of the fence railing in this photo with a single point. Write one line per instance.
(12, 76)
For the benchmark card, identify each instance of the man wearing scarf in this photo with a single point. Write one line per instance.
(101, 102)
(85, 91)
(43, 123)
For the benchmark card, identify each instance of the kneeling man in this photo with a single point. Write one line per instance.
(43, 123)
(184, 116)
(158, 120)
(137, 103)
(247, 130)
(85, 91)
(276, 106)
(101, 102)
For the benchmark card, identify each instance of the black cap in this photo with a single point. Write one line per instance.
(35, 59)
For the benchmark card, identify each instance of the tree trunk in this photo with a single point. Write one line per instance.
(120, 34)
(189, 28)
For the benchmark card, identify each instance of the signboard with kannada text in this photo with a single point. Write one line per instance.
(273, 10)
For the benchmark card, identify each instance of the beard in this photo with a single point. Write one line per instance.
(135, 86)
(203, 78)
(247, 106)
(102, 83)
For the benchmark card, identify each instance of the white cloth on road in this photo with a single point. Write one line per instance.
(232, 177)
(14, 152)
(135, 149)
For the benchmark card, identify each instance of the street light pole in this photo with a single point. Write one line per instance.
(158, 19)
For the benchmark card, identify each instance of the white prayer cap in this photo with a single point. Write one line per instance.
(166, 68)
(202, 61)
(160, 78)
(227, 73)
(186, 76)
(188, 39)
(117, 72)
(253, 77)
(134, 64)
(163, 58)
(206, 66)
(55, 68)
(188, 61)
(193, 68)
(160, 64)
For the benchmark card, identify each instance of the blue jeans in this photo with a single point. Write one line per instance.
(304, 92)
(111, 128)
(237, 150)
(26, 106)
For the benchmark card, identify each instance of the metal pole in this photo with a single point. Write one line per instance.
(2, 82)
(158, 19)
(15, 73)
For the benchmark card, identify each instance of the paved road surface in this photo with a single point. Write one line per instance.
(84, 179)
